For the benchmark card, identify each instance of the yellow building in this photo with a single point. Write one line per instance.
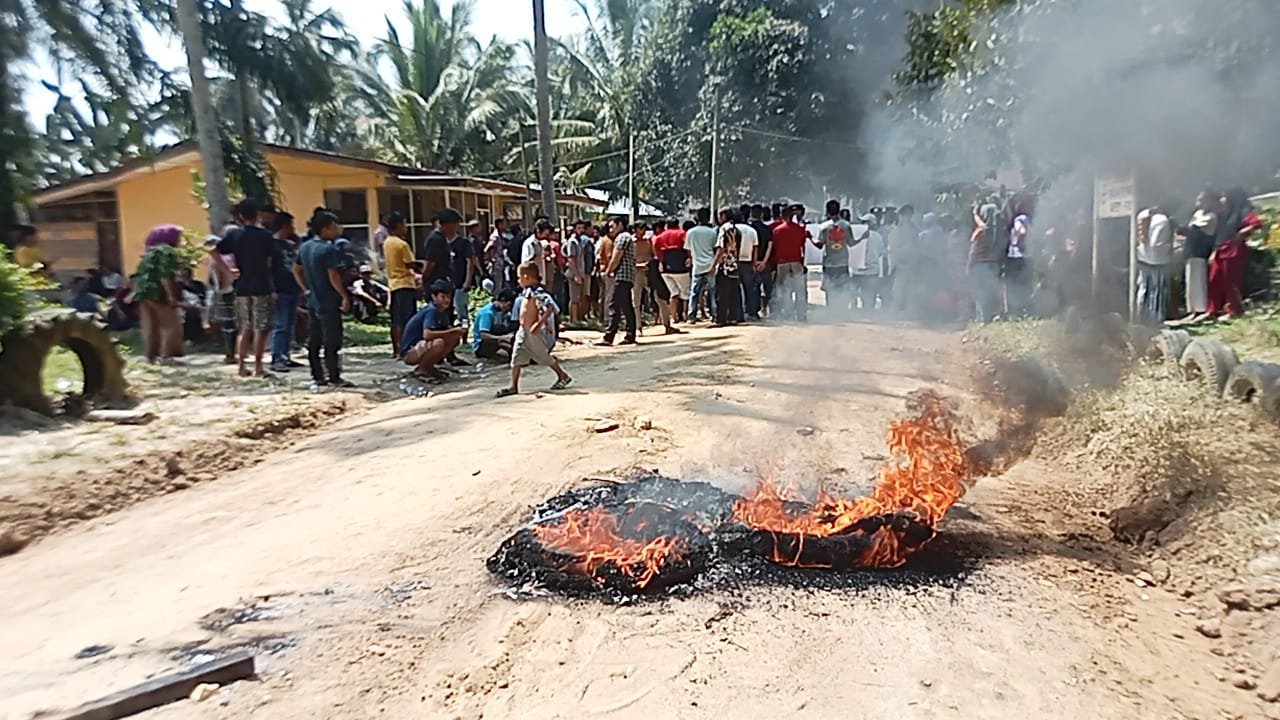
(103, 219)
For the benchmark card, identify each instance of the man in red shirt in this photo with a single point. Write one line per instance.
(787, 250)
(676, 265)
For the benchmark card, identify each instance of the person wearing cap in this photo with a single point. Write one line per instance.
(368, 296)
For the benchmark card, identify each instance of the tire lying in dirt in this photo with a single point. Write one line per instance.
(1210, 362)
(1168, 346)
(1257, 382)
(24, 349)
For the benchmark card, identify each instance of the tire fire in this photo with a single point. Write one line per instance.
(656, 533)
(927, 474)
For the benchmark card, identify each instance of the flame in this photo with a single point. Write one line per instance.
(597, 538)
(927, 475)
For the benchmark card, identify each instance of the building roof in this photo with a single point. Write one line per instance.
(185, 153)
(622, 205)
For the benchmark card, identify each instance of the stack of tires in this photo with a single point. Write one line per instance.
(1214, 365)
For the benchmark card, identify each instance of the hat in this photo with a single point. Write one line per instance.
(869, 217)
(365, 269)
(341, 242)
(472, 223)
(212, 240)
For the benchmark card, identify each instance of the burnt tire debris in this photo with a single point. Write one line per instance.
(711, 542)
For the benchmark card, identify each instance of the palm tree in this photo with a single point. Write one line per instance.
(593, 90)
(449, 97)
(100, 38)
(207, 134)
(542, 89)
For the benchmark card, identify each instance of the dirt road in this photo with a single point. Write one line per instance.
(354, 564)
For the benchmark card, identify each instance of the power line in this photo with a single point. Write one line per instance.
(796, 138)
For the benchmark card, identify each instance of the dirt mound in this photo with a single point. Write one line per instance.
(89, 495)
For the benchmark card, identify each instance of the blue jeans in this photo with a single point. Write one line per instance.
(984, 285)
(750, 306)
(461, 302)
(282, 333)
(703, 283)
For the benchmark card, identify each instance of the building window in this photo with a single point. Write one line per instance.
(352, 207)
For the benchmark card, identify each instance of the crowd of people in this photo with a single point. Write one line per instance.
(264, 287)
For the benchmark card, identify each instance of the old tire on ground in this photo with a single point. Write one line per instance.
(1168, 346)
(1210, 362)
(1254, 382)
(24, 349)
(1140, 339)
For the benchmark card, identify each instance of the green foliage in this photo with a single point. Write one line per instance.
(191, 251)
(15, 300)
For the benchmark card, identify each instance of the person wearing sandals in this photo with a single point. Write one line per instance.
(430, 336)
(537, 322)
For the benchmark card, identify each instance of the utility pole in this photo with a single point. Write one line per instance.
(542, 89)
(528, 180)
(715, 150)
(631, 173)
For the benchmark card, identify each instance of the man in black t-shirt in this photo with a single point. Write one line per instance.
(436, 255)
(464, 268)
(764, 269)
(257, 255)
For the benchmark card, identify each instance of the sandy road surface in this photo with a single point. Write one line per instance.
(361, 553)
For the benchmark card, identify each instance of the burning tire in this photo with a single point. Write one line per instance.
(1255, 382)
(1210, 362)
(882, 541)
(1168, 346)
(628, 549)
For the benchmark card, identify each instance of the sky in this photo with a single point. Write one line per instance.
(366, 19)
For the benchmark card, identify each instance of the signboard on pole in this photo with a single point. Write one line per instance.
(1116, 197)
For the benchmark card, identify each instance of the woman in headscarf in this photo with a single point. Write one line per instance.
(155, 289)
(1199, 236)
(1230, 254)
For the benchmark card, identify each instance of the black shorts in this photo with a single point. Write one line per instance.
(404, 304)
(488, 349)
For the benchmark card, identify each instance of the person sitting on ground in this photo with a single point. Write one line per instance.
(535, 335)
(368, 296)
(80, 299)
(191, 304)
(493, 336)
(430, 336)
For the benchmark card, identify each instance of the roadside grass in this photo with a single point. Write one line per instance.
(1255, 336)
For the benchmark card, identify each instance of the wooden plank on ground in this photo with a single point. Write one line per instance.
(165, 689)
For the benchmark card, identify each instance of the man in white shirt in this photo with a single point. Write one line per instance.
(868, 262)
(534, 249)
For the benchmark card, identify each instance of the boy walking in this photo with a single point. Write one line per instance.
(537, 323)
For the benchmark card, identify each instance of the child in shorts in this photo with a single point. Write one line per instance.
(537, 322)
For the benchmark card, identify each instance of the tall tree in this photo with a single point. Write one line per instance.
(207, 134)
(542, 87)
(449, 97)
(99, 38)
